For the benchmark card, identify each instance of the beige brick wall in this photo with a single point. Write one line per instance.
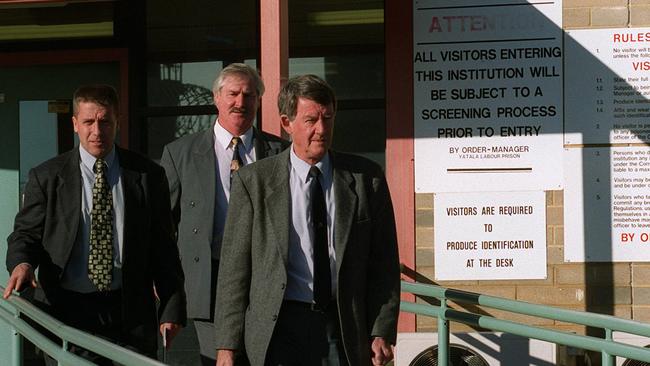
(606, 13)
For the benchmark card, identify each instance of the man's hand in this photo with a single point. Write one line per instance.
(172, 329)
(21, 277)
(225, 357)
(381, 351)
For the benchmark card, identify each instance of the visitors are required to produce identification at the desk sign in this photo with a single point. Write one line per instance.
(487, 95)
(490, 235)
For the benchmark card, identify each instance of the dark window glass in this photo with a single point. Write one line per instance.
(162, 130)
(343, 42)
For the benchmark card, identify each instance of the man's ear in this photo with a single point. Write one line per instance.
(215, 96)
(286, 124)
(74, 124)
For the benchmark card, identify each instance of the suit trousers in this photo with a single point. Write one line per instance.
(98, 313)
(205, 327)
(304, 336)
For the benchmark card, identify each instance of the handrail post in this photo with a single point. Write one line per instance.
(65, 346)
(16, 343)
(607, 359)
(443, 336)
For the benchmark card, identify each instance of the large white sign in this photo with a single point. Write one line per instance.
(490, 235)
(607, 86)
(487, 95)
(607, 207)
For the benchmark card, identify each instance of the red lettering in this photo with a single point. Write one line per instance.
(631, 37)
(627, 237)
(435, 25)
(641, 66)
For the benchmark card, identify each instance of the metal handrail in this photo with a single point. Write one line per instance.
(12, 308)
(607, 346)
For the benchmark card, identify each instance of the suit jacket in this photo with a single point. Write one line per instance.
(190, 166)
(253, 276)
(46, 228)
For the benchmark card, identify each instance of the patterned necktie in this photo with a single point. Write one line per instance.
(100, 255)
(236, 161)
(322, 276)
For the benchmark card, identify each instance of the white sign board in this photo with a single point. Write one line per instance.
(487, 95)
(607, 86)
(607, 207)
(490, 235)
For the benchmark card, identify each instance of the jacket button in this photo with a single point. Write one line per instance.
(192, 203)
(275, 317)
(196, 259)
(195, 230)
(283, 286)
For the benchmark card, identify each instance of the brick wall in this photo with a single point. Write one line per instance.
(620, 289)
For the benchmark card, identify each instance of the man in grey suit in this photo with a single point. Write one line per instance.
(277, 297)
(66, 226)
(199, 167)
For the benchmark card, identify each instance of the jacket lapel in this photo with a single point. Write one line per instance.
(346, 201)
(205, 164)
(264, 148)
(132, 188)
(278, 201)
(69, 193)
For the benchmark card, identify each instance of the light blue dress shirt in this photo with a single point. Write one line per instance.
(300, 269)
(223, 154)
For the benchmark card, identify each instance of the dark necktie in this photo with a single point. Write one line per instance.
(322, 276)
(100, 255)
(236, 161)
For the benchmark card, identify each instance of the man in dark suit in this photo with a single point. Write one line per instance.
(96, 222)
(199, 167)
(310, 271)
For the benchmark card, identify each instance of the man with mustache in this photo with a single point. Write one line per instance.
(199, 169)
(310, 270)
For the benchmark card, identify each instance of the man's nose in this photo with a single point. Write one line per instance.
(320, 126)
(239, 99)
(94, 128)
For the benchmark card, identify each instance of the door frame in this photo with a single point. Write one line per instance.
(100, 55)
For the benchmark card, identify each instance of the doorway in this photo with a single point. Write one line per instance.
(34, 88)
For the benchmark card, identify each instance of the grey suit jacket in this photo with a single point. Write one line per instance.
(252, 275)
(190, 166)
(46, 228)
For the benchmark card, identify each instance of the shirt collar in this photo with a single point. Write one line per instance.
(89, 160)
(302, 167)
(225, 138)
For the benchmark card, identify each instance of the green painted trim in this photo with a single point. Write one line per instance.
(608, 347)
(14, 305)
